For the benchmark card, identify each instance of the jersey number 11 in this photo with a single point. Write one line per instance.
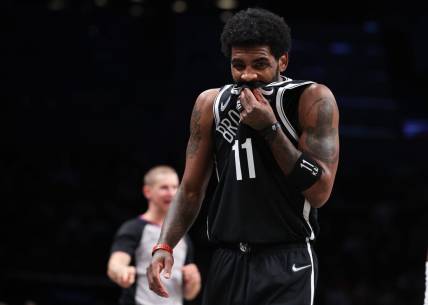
(250, 159)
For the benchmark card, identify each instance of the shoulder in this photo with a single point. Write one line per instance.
(314, 94)
(203, 108)
(316, 90)
(207, 98)
(132, 226)
(209, 94)
(317, 100)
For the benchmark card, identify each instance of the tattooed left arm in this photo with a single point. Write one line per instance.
(319, 120)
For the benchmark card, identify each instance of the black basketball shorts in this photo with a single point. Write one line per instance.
(285, 275)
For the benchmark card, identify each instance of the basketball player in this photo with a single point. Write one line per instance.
(274, 144)
(131, 249)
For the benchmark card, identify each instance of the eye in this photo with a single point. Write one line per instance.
(260, 65)
(238, 66)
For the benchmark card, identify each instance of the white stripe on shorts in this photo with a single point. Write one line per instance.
(312, 272)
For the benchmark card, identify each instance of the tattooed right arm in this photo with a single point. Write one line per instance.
(199, 159)
(187, 202)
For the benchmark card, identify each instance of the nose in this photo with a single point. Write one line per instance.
(248, 76)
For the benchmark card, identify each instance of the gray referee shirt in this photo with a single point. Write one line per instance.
(137, 238)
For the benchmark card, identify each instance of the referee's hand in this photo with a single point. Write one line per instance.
(126, 277)
(161, 260)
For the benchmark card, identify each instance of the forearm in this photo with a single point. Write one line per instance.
(188, 200)
(181, 215)
(287, 155)
(284, 152)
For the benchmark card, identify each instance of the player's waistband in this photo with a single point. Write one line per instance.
(246, 247)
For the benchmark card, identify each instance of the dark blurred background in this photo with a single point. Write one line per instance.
(99, 91)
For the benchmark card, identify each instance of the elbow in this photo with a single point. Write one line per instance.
(192, 195)
(317, 201)
(319, 193)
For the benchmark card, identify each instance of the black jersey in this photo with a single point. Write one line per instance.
(254, 202)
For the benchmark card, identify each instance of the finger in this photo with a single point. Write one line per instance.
(125, 282)
(249, 98)
(244, 100)
(168, 267)
(149, 274)
(242, 115)
(154, 280)
(132, 276)
(124, 277)
(160, 288)
(131, 279)
(259, 96)
(128, 279)
(122, 281)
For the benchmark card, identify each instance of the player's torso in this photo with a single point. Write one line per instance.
(254, 202)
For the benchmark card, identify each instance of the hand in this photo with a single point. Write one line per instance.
(126, 276)
(191, 274)
(191, 280)
(161, 260)
(257, 112)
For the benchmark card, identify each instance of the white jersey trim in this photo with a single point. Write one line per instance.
(216, 104)
(280, 82)
(280, 107)
(306, 212)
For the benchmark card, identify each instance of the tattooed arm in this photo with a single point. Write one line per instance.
(319, 119)
(187, 202)
(199, 157)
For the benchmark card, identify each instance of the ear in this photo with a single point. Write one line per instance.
(147, 191)
(283, 62)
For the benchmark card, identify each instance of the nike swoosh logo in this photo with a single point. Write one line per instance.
(295, 269)
(223, 106)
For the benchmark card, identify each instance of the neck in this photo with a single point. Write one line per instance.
(154, 215)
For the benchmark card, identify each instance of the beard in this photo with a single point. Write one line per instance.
(251, 85)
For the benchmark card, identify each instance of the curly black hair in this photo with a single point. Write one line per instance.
(256, 26)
